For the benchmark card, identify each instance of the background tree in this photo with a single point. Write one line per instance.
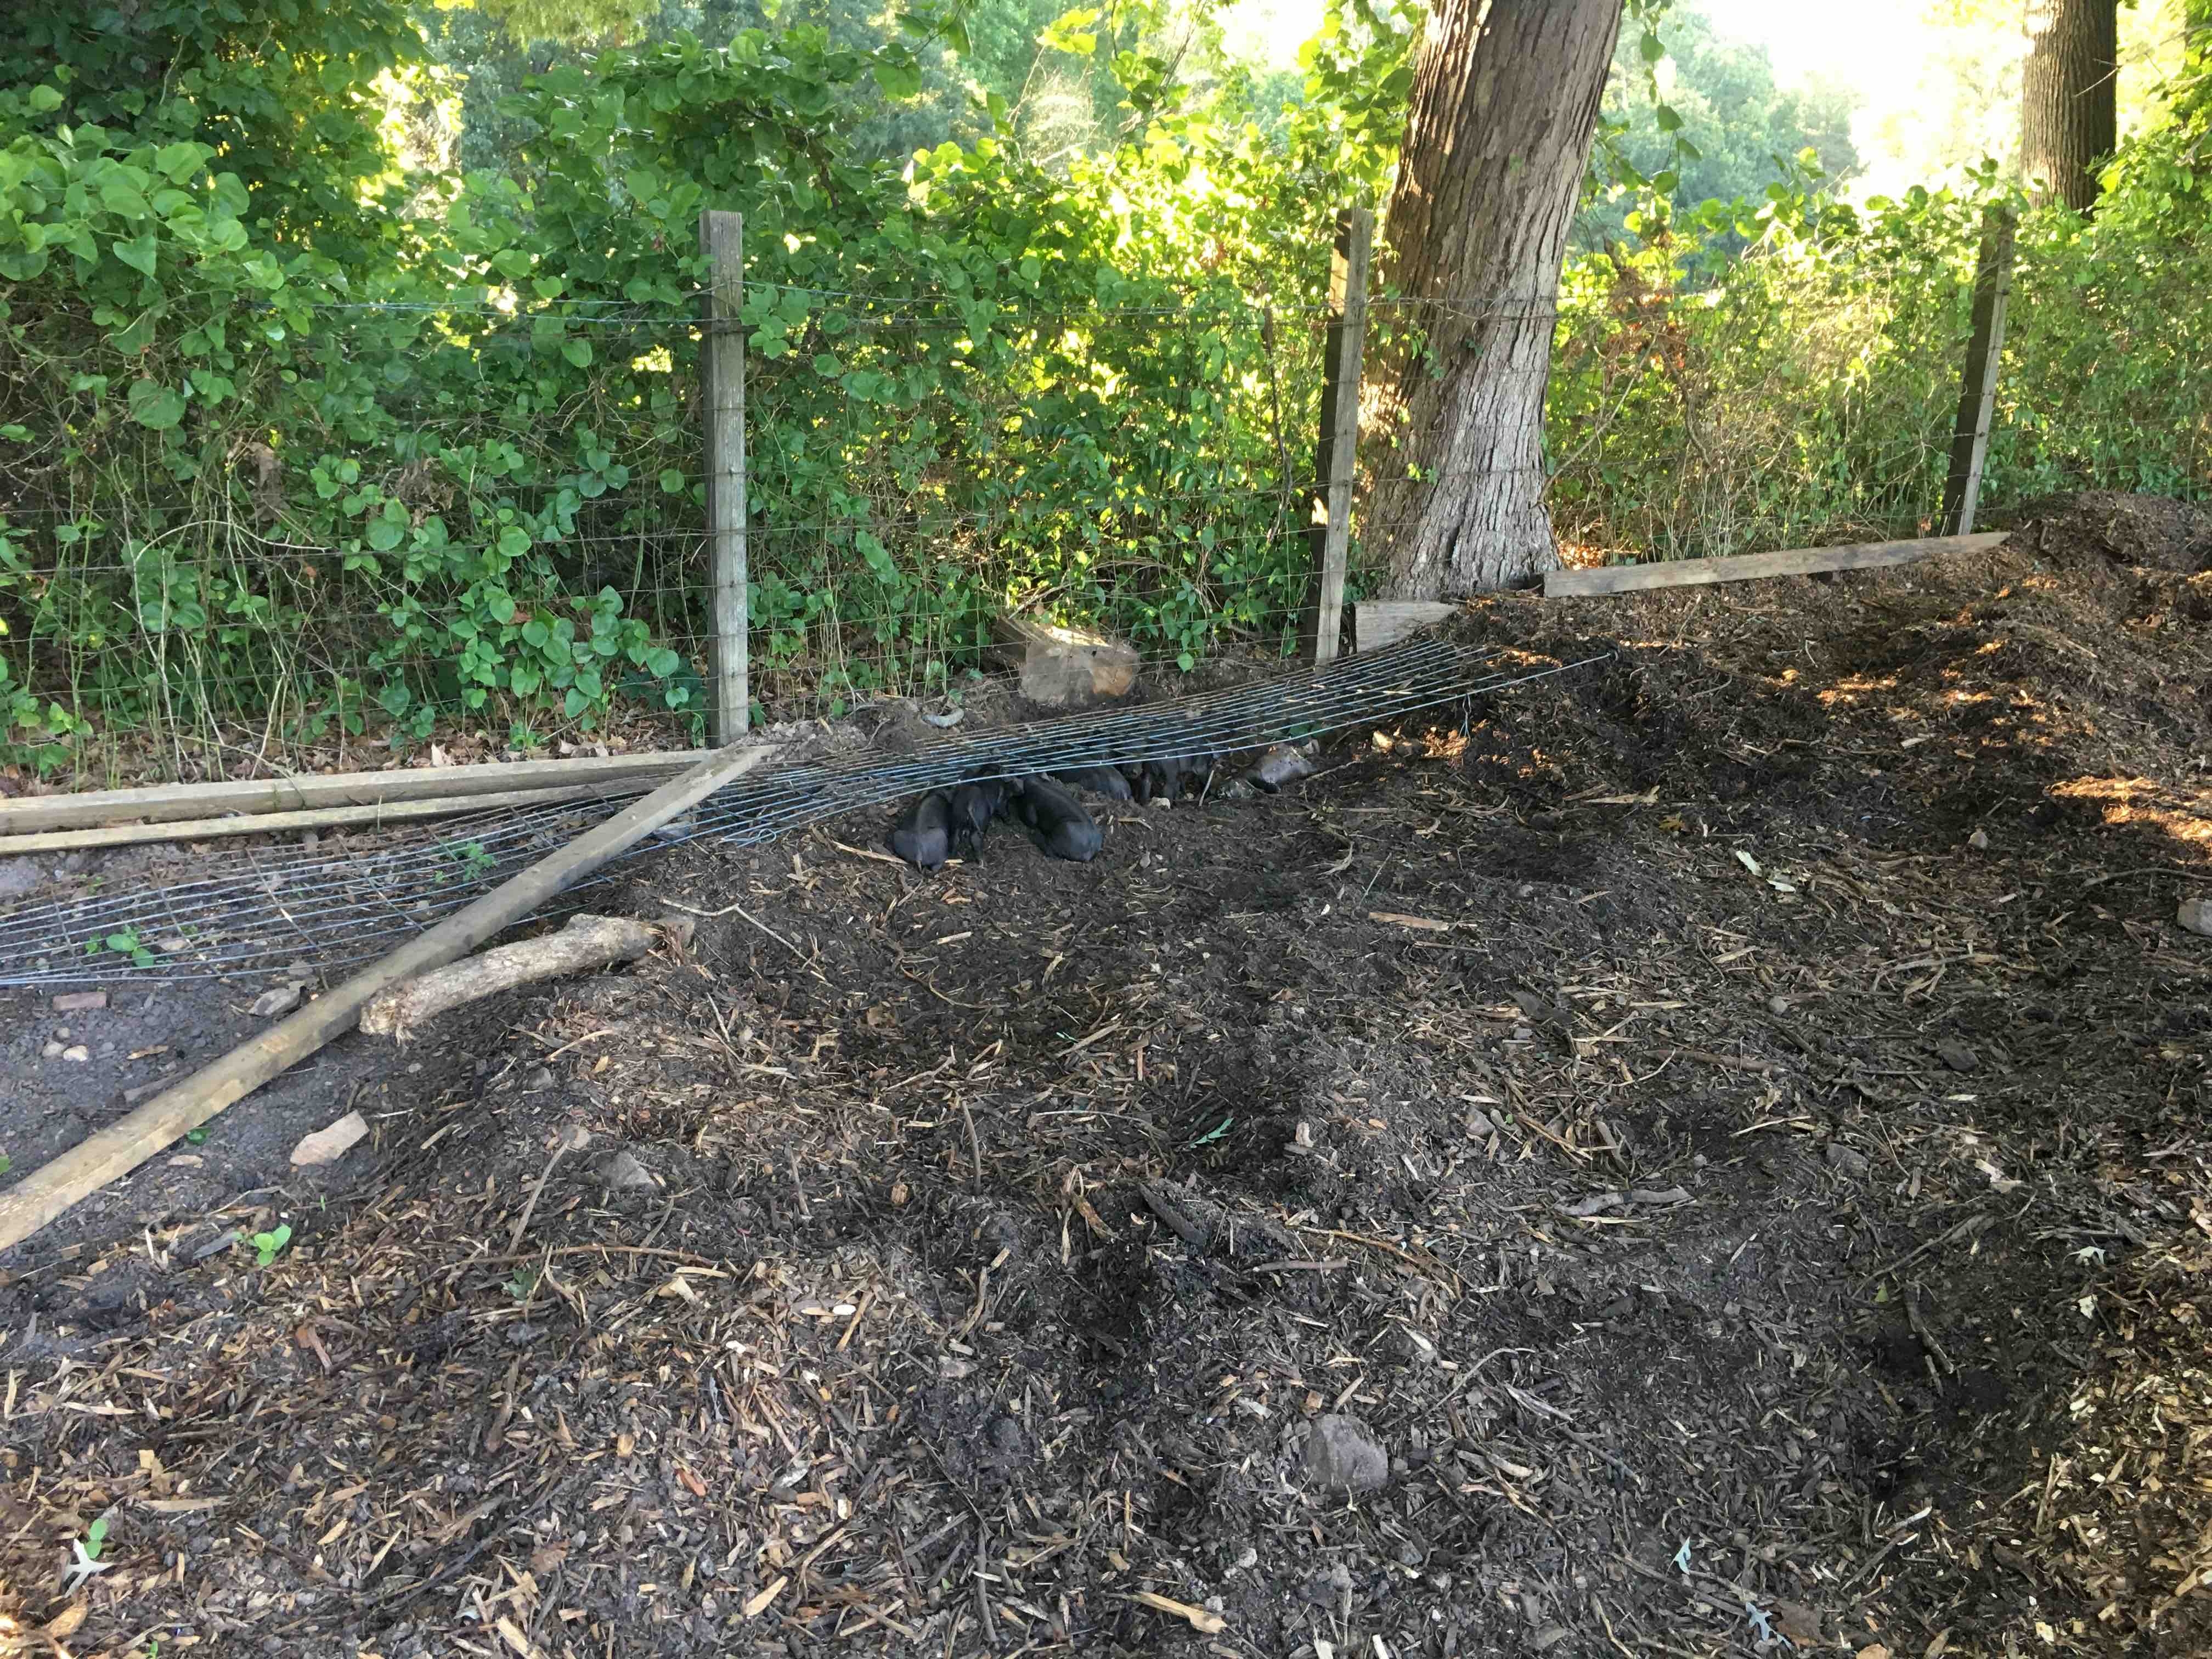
(2069, 97)
(1744, 126)
(1504, 101)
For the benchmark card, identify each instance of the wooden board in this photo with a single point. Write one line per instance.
(164, 803)
(1747, 566)
(1378, 622)
(372, 816)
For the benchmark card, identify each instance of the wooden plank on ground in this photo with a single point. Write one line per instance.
(375, 816)
(1747, 566)
(165, 803)
(1378, 622)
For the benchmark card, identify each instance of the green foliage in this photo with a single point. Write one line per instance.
(127, 945)
(1805, 391)
(303, 425)
(1691, 117)
(268, 1246)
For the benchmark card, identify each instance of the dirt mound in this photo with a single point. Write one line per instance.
(1726, 1123)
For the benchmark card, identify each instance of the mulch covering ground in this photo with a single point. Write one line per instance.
(1730, 1124)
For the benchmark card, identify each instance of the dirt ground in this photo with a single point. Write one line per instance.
(1726, 1128)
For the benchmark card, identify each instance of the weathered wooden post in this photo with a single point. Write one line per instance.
(1339, 426)
(722, 239)
(1977, 390)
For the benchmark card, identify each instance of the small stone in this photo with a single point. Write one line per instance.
(53, 1051)
(78, 1002)
(1342, 1454)
(281, 1001)
(1957, 1055)
(77, 1052)
(619, 1172)
(1777, 1006)
(1249, 1559)
(2195, 914)
(1844, 1161)
(18, 877)
(540, 1079)
(329, 1144)
(1979, 841)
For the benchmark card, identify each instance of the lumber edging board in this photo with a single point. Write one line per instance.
(1746, 567)
(165, 803)
(1378, 622)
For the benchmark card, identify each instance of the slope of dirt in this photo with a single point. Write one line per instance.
(1728, 1126)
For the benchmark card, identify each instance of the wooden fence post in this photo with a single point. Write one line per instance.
(1340, 425)
(1977, 390)
(722, 239)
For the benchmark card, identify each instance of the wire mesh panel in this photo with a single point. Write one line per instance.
(295, 902)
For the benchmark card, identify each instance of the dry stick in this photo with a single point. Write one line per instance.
(121, 1147)
(587, 942)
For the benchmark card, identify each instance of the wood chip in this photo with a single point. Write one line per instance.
(1205, 1623)
(758, 1605)
(330, 1143)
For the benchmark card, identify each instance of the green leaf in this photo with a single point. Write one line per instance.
(672, 482)
(1667, 119)
(660, 662)
(180, 161)
(1071, 31)
(515, 541)
(578, 352)
(898, 80)
(535, 633)
(1652, 47)
(155, 407)
(45, 100)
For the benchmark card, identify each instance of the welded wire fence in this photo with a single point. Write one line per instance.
(518, 557)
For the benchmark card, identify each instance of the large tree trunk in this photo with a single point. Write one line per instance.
(1505, 99)
(2069, 121)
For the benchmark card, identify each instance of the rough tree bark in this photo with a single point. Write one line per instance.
(2069, 108)
(1505, 99)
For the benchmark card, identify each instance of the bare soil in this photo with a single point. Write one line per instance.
(1729, 1124)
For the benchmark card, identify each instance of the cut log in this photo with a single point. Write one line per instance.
(587, 942)
(1747, 566)
(322, 817)
(1064, 667)
(122, 1145)
(1378, 622)
(168, 802)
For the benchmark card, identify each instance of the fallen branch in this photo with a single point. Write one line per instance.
(121, 1147)
(587, 942)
